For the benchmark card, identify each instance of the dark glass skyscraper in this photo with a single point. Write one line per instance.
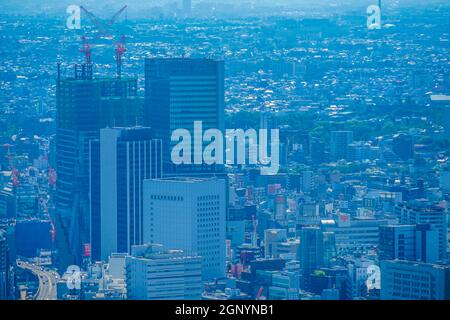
(310, 252)
(179, 92)
(339, 144)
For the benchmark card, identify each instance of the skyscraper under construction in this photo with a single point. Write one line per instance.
(84, 105)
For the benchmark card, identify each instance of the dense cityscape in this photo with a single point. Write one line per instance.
(93, 205)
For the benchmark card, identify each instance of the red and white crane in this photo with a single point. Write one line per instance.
(86, 50)
(103, 30)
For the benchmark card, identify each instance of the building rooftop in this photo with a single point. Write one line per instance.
(185, 179)
(440, 97)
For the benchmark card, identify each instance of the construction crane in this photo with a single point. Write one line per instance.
(116, 15)
(101, 29)
(120, 46)
(120, 50)
(86, 50)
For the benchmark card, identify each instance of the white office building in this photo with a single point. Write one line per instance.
(188, 214)
(155, 274)
(119, 163)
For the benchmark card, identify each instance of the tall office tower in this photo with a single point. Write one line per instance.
(409, 242)
(317, 151)
(403, 147)
(179, 92)
(307, 181)
(304, 139)
(119, 162)
(155, 274)
(445, 179)
(339, 144)
(187, 7)
(310, 252)
(408, 280)
(7, 263)
(84, 105)
(188, 214)
(329, 248)
(4, 266)
(8, 201)
(426, 212)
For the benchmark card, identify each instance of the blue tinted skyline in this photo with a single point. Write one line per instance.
(225, 151)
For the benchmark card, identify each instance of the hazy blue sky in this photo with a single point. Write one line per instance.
(53, 6)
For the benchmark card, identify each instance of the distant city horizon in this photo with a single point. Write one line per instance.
(225, 8)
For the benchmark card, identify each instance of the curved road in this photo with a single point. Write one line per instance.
(47, 280)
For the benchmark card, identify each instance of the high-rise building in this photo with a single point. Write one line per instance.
(272, 238)
(317, 151)
(409, 242)
(407, 280)
(7, 263)
(188, 214)
(8, 201)
(307, 181)
(179, 92)
(155, 274)
(329, 248)
(403, 146)
(119, 162)
(426, 212)
(445, 179)
(187, 7)
(310, 252)
(339, 144)
(441, 103)
(84, 105)
(4, 265)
